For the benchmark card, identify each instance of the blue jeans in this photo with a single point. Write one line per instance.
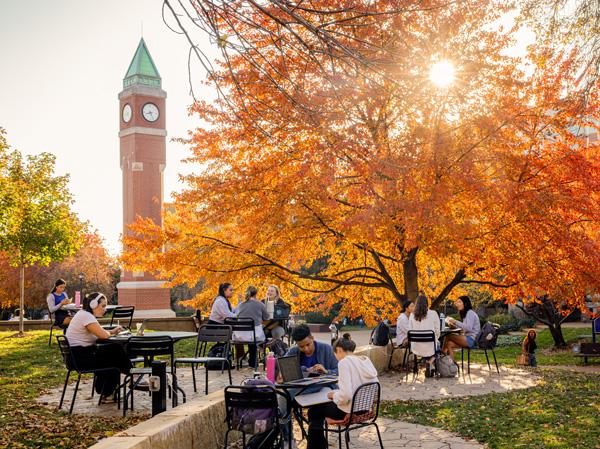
(532, 360)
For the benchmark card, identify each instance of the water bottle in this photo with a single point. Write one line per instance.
(270, 366)
(443, 319)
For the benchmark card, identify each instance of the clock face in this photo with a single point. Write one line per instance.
(126, 114)
(150, 112)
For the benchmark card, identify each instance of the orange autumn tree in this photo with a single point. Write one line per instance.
(334, 167)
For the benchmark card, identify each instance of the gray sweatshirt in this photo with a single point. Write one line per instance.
(253, 309)
(470, 325)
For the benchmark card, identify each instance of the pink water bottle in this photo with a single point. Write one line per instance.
(77, 298)
(271, 367)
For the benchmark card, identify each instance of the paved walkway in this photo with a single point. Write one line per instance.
(395, 386)
(400, 434)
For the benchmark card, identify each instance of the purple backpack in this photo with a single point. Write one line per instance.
(255, 420)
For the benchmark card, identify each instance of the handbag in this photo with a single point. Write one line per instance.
(523, 359)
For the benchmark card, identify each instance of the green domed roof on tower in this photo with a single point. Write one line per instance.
(142, 69)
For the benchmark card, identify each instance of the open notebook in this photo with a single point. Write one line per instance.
(320, 397)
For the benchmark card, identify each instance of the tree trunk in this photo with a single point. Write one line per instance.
(411, 275)
(22, 300)
(546, 313)
(557, 336)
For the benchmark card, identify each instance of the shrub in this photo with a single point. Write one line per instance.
(509, 323)
(502, 319)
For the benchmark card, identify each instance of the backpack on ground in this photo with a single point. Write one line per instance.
(217, 365)
(381, 335)
(487, 338)
(445, 366)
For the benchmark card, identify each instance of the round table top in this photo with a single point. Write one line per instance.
(73, 307)
(175, 335)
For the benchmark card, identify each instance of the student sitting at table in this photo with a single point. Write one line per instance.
(470, 326)
(82, 335)
(354, 371)
(221, 307)
(408, 308)
(425, 319)
(55, 300)
(255, 309)
(314, 356)
(273, 300)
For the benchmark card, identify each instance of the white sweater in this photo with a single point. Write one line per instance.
(353, 372)
(430, 323)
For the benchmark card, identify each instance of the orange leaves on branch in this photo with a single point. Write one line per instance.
(332, 166)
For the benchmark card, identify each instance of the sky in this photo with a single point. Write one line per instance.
(62, 67)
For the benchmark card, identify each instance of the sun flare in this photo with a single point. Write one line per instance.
(442, 73)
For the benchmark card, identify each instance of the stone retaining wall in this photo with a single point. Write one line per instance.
(157, 324)
(198, 424)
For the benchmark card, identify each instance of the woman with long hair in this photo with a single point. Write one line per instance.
(221, 307)
(470, 326)
(423, 319)
(275, 327)
(56, 299)
(255, 309)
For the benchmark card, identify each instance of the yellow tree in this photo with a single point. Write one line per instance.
(37, 225)
(334, 165)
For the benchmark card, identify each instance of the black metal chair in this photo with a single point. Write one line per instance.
(149, 347)
(419, 336)
(243, 325)
(209, 333)
(241, 400)
(52, 326)
(71, 365)
(364, 412)
(485, 350)
(122, 313)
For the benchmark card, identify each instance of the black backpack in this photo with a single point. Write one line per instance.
(277, 347)
(217, 365)
(487, 338)
(381, 335)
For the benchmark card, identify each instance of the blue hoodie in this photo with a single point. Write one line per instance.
(325, 356)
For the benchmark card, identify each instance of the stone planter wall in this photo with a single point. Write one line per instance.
(199, 424)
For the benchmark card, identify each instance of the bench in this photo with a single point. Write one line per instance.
(585, 356)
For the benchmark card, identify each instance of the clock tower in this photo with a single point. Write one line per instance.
(142, 135)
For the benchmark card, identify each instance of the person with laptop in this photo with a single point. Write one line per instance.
(354, 371)
(315, 357)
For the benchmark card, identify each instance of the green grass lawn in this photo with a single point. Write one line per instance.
(27, 368)
(508, 354)
(562, 412)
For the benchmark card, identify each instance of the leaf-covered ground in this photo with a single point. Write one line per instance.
(27, 367)
(562, 412)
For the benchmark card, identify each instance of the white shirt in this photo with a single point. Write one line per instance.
(353, 372)
(401, 328)
(77, 333)
(430, 323)
(220, 310)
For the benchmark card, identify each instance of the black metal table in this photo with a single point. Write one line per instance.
(175, 335)
(296, 408)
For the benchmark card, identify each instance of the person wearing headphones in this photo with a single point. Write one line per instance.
(84, 331)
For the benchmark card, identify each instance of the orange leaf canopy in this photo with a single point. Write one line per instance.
(333, 166)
